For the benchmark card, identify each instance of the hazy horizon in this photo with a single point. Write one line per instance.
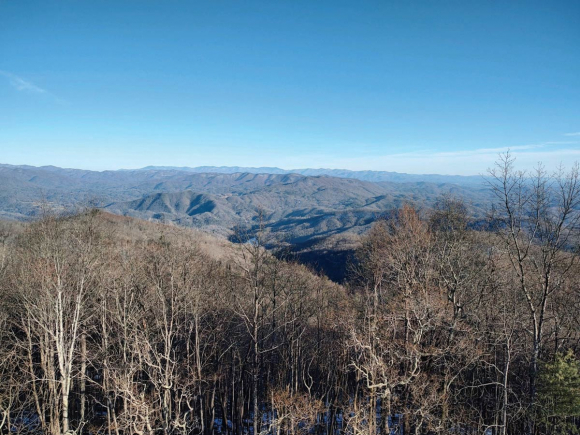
(415, 88)
(146, 167)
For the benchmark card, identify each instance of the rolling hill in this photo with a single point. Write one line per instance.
(292, 207)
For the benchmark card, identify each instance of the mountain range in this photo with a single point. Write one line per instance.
(376, 176)
(302, 206)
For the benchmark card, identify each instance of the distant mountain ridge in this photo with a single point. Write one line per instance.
(376, 176)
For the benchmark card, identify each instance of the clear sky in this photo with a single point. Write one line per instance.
(408, 86)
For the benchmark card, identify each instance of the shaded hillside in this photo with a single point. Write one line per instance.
(23, 188)
(294, 207)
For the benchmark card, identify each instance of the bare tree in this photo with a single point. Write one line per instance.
(537, 216)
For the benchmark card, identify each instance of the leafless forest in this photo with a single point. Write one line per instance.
(116, 326)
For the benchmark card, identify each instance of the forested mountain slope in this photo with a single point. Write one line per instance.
(113, 324)
(295, 207)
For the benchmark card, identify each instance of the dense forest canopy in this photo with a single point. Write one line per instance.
(117, 326)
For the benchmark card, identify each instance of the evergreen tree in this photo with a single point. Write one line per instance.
(559, 393)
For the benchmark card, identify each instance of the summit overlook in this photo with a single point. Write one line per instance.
(289, 217)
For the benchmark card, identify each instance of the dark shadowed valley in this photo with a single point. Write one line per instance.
(316, 217)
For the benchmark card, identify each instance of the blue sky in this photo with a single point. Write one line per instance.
(413, 86)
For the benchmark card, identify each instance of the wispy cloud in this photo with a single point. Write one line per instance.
(482, 151)
(463, 162)
(572, 134)
(23, 85)
(20, 84)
